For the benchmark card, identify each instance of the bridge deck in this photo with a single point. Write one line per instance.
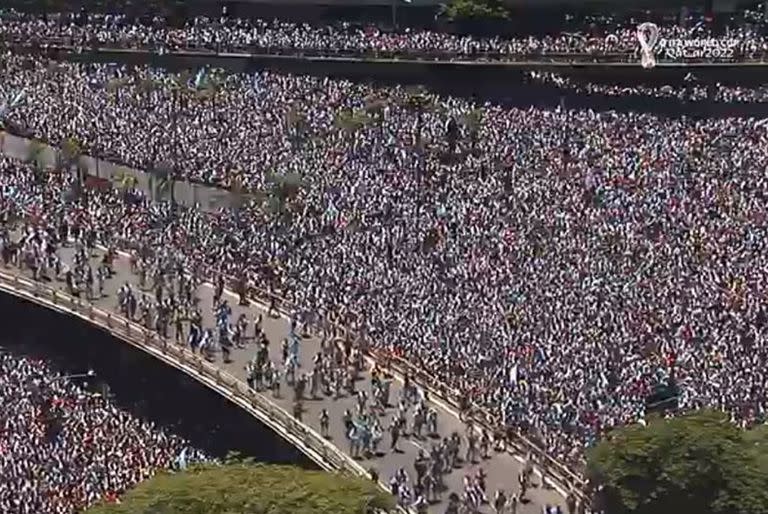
(501, 469)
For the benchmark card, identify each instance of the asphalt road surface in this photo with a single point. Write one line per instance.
(502, 469)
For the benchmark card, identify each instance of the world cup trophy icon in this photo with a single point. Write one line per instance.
(647, 36)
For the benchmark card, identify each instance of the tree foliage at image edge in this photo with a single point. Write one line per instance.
(475, 10)
(694, 463)
(244, 488)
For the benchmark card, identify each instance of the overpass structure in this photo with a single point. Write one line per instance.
(229, 379)
(470, 63)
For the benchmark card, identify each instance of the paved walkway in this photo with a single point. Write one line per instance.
(502, 468)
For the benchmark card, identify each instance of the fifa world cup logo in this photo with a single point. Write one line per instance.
(647, 36)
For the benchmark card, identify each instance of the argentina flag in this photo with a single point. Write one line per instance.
(181, 460)
(199, 78)
(14, 102)
(255, 86)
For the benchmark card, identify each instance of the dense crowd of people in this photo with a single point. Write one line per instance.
(690, 92)
(171, 306)
(63, 449)
(555, 266)
(615, 38)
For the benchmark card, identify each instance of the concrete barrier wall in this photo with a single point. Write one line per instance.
(186, 193)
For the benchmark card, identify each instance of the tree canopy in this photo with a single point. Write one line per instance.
(70, 150)
(699, 463)
(245, 488)
(35, 153)
(475, 10)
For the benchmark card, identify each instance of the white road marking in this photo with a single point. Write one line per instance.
(417, 445)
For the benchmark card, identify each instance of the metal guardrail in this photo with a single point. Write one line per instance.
(299, 434)
(547, 465)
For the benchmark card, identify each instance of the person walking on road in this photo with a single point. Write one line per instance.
(324, 423)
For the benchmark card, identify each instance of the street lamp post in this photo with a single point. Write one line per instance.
(88, 374)
(179, 97)
(171, 173)
(395, 3)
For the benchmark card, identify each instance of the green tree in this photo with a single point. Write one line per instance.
(296, 124)
(35, 153)
(69, 155)
(114, 86)
(475, 10)
(180, 84)
(757, 443)
(36, 157)
(145, 87)
(70, 151)
(239, 195)
(418, 103)
(375, 105)
(350, 121)
(244, 488)
(162, 177)
(162, 183)
(283, 192)
(698, 463)
(123, 179)
(182, 92)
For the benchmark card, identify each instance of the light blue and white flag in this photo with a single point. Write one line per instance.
(331, 212)
(513, 374)
(199, 78)
(15, 101)
(181, 460)
(18, 98)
